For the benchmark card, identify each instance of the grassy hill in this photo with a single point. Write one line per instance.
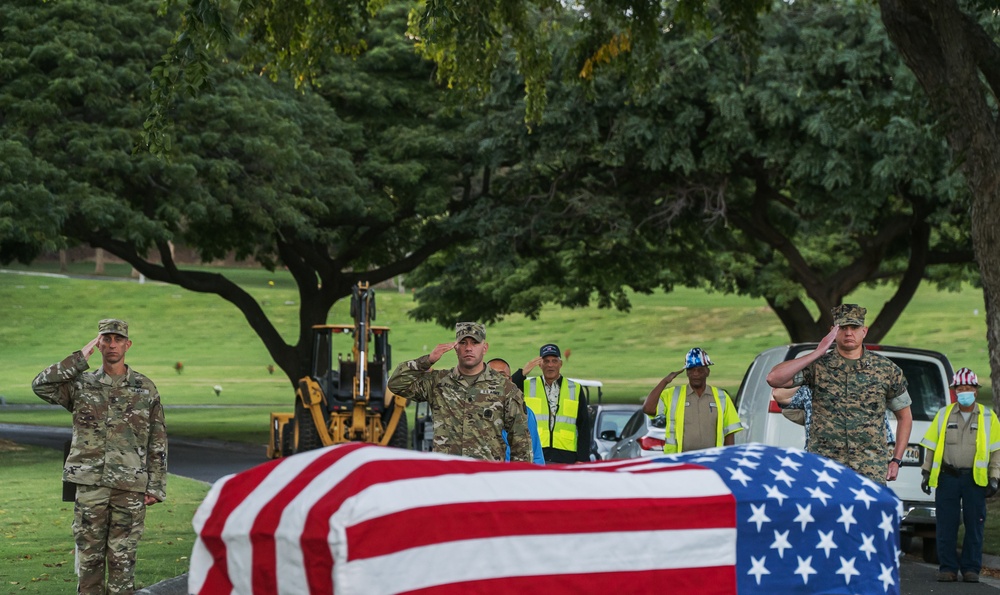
(48, 317)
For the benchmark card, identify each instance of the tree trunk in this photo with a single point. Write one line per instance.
(958, 65)
(99, 261)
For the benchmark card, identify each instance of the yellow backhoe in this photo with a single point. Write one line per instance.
(348, 402)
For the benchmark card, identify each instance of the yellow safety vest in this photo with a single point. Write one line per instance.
(728, 420)
(563, 435)
(987, 441)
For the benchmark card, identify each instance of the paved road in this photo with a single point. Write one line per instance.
(205, 460)
(211, 460)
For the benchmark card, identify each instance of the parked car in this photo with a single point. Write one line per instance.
(928, 374)
(642, 436)
(607, 421)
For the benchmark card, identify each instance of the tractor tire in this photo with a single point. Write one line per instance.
(417, 427)
(288, 439)
(929, 550)
(400, 437)
(305, 428)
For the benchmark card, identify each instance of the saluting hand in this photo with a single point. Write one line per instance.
(440, 350)
(89, 348)
(528, 367)
(670, 377)
(828, 340)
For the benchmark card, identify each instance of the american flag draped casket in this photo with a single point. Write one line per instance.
(367, 519)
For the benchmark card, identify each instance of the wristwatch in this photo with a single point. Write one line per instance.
(897, 461)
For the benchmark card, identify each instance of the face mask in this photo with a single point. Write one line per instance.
(966, 399)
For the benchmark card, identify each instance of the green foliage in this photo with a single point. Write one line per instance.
(359, 179)
(467, 40)
(816, 171)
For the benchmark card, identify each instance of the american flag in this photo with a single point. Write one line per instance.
(360, 518)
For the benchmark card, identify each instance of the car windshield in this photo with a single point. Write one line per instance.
(638, 420)
(613, 420)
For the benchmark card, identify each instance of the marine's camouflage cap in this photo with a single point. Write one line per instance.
(113, 326)
(848, 315)
(470, 329)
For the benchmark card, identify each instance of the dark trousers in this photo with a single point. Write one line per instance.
(959, 495)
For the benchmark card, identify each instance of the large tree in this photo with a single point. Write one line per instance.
(798, 177)
(953, 48)
(361, 180)
(866, 201)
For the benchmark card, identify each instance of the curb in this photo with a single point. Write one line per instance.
(178, 584)
(171, 586)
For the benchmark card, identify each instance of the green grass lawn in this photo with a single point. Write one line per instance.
(48, 317)
(36, 552)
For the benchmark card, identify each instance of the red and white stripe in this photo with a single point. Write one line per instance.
(367, 519)
(965, 377)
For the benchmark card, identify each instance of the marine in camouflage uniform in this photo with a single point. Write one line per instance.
(117, 459)
(850, 398)
(471, 404)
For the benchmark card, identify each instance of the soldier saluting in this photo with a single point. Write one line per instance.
(472, 404)
(118, 455)
(852, 388)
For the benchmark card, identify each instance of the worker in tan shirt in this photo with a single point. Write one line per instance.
(963, 462)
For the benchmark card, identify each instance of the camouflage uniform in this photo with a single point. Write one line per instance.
(118, 454)
(469, 417)
(849, 401)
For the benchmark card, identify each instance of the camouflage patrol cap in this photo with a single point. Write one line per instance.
(113, 326)
(470, 329)
(848, 315)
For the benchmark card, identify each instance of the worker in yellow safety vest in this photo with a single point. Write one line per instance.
(963, 462)
(698, 415)
(559, 405)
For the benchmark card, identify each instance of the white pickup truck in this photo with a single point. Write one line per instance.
(928, 374)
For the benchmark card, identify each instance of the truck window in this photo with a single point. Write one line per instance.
(926, 386)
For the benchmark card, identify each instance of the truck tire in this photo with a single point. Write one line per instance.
(305, 428)
(929, 550)
(905, 542)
